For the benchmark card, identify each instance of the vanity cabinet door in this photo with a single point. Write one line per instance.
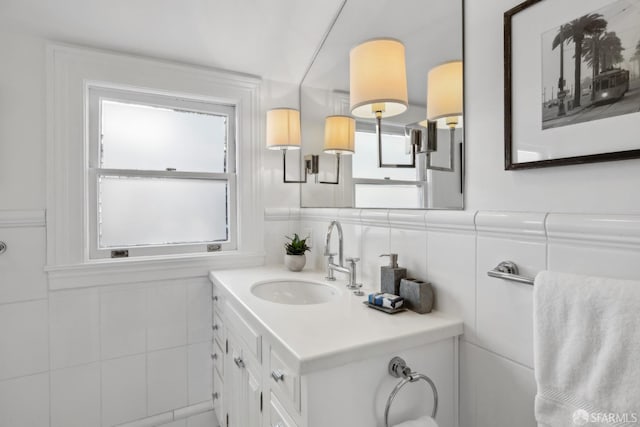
(243, 388)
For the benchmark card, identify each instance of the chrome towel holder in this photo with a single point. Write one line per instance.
(398, 368)
(508, 270)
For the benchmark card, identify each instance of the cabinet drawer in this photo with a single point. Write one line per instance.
(218, 358)
(218, 396)
(251, 339)
(283, 381)
(278, 416)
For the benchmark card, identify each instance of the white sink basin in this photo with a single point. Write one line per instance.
(294, 292)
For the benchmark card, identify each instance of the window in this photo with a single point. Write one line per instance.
(161, 174)
(376, 187)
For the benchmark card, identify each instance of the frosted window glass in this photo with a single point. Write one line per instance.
(151, 138)
(365, 159)
(155, 211)
(391, 196)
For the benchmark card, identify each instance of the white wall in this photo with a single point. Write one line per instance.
(604, 187)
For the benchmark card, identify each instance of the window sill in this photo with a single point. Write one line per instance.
(144, 269)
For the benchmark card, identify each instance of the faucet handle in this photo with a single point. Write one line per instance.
(353, 260)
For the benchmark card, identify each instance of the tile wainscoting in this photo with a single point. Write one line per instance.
(454, 250)
(134, 353)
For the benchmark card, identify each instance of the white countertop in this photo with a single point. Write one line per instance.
(322, 336)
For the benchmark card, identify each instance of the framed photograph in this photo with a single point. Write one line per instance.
(572, 82)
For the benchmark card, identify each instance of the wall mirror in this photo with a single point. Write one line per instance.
(416, 164)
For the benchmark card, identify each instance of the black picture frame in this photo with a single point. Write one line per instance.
(508, 111)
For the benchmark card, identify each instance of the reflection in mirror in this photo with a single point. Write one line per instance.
(416, 164)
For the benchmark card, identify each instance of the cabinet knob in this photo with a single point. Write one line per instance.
(215, 396)
(215, 327)
(215, 298)
(277, 375)
(239, 362)
(214, 356)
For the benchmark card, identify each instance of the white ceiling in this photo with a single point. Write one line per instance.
(274, 39)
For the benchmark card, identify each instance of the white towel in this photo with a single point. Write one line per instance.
(420, 422)
(586, 350)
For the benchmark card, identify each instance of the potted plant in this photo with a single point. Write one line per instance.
(295, 258)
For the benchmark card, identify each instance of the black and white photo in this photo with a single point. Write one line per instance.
(591, 66)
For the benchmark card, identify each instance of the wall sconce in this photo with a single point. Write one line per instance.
(445, 104)
(339, 139)
(283, 133)
(378, 81)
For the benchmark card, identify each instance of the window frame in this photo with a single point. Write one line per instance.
(98, 93)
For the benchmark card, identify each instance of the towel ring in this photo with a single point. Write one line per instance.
(398, 368)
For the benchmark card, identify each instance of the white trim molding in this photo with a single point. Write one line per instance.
(14, 218)
(69, 69)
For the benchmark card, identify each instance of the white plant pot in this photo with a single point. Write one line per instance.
(295, 262)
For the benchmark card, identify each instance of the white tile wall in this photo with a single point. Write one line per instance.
(199, 366)
(167, 316)
(24, 343)
(75, 396)
(74, 324)
(199, 310)
(504, 391)
(24, 401)
(124, 389)
(450, 263)
(167, 380)
(123, 322)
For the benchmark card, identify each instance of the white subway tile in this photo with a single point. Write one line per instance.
(22, 264)
(275, 232)
(24, 402)
(504, 391)
(123, 322)
(124, 390)
(167, 316)
(75, 396)
(451, 269)
(167, 380)
(75, 328)
(200, 367)
(24, 343)
(411, 247)
(199, 306)
(505, 308)
(375, 241)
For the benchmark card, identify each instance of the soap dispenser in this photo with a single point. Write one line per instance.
(390, 275)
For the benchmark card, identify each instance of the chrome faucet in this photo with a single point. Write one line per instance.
(350, 270)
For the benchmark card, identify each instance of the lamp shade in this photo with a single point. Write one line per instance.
(339, 135)
(444, 91)
(283, 129)
(378, 78)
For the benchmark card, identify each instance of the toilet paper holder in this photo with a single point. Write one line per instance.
(398, 368)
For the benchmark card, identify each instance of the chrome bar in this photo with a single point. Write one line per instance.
(508, 270)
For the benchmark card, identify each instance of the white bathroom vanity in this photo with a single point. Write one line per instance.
(294, 350)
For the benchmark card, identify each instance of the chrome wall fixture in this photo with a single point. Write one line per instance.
(508, 270)
(398, 368)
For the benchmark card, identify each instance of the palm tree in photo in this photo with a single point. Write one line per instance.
(611, 51)
(578, 29)
(560, 40)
